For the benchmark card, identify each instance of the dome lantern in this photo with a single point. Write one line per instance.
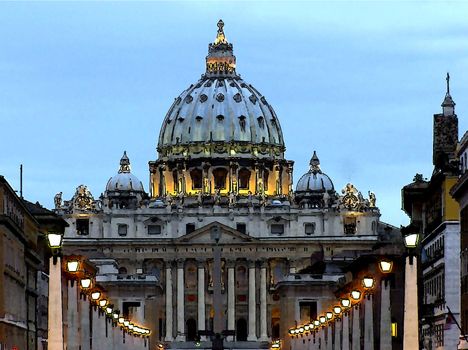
(220, 61)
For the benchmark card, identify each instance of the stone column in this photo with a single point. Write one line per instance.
(201, 296)
(322, 342)
(72, 316)
(252, 333)
(55, 321)
(98, 330)
(231, 298)
(263, 302)
(345, 326)
(329, 337)
(338, 325)
(410, 321)
(368, 323)
(385, 317)
(356, 339)
(84, 323)
(180, 301)
(169, 309)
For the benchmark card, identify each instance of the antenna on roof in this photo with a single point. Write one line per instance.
(21, 181)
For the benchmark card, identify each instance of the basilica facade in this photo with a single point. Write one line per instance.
(220, 183)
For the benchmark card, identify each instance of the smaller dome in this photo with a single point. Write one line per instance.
(124, 180)
(314, 180)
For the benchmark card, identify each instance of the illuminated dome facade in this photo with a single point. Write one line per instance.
(221, 136)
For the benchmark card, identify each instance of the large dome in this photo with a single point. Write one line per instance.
(221, 115)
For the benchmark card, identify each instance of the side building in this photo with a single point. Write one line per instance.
(435, 214)
(460, 193)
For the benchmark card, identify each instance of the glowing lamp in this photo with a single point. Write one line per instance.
(115, 315)
(85, 283)
(301, 329)
(72, 266)
(386, 266)
(126, 323)
(121, 320)
(337, 310)
(329, 315)
(368, 282)
(109, 310)
(316, 323)
(54, 240)
(355, 294)
(322, 319)
(306, 327)
(292, 331)
(131, 326)
(345, 302)
(311, 326)
(95, 295)
(103, 303)
(411, 240)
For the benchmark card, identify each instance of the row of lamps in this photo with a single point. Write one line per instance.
(78, 269)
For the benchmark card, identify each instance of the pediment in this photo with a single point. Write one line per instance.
(227, 235)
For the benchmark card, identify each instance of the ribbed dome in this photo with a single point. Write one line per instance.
(221, 114)
(314, 180)
(124, 180)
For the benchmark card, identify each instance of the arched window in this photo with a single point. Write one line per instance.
(122, 270)
(197, 177)
(244, 179)
(220, 175)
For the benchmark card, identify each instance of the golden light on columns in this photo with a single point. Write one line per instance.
(368, 282)
(385, 266)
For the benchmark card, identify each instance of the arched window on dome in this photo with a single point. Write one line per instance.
(244, 178)
(197, 179)
(219, 175)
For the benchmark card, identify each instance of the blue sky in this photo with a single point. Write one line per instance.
(356, 81)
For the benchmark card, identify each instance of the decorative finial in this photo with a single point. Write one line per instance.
(448, 105)
(315, 163)
(448, 83)
(220, 37)
(124, 164)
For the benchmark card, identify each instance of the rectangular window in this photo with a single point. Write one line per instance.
(130, 309)
(241, 227)
(309, 228)
(82, 226)
(189, 228)
(122, 229)
(277, 229)
(349, 225)
(308, 311)
(154, 229)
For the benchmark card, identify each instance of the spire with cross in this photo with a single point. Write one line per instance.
(448, 106)
(220, 60)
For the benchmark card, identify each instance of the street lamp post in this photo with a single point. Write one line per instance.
(410, 322)
(54, 320)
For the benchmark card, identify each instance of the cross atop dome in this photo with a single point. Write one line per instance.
(124, 164)
(315, 164)
(220, 37)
